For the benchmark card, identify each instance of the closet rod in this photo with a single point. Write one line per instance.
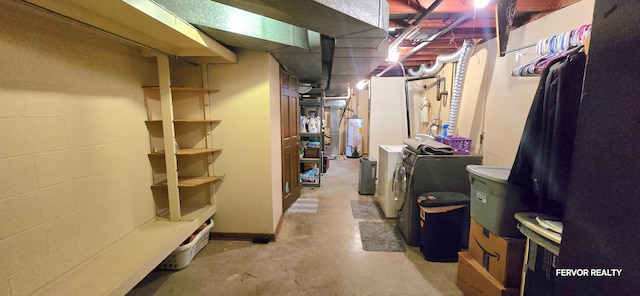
(519, 48)
(116, 36)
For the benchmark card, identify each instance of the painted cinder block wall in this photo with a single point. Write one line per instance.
(74, 174)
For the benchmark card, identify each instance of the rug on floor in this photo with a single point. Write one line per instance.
(380, 237)
(304, 205)
(366, 209)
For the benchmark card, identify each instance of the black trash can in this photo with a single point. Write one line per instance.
(443, 216)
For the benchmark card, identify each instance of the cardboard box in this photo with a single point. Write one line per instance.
(501, 256)
(474, 280)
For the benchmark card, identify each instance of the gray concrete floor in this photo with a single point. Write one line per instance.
(315, 254)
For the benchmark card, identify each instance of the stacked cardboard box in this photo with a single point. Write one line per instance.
(492, 265)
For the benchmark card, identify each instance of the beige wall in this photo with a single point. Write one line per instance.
(496, 103)
(276, 144)
(438, 109)
(248, 106)
(387, 122)
(389, 116)
(360, 104)
(75, 175)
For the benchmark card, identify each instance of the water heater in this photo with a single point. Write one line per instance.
(354, 137)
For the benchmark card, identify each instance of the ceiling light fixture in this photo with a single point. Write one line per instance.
(362, 84)
(393, 55)
(480, 3)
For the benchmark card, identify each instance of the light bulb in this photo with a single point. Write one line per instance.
(480, 3)
(393, 55)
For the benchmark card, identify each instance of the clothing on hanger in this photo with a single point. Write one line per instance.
(543, 162)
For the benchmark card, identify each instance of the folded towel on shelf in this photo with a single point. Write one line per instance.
(429, 147)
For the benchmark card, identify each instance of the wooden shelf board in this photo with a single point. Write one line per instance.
(118, 268)
(184, 88)
(187, 121)
(189, 151)
(192, 212)
(190, 181)
(197, 120)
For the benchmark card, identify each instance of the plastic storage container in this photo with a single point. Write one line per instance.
(182, 256)
(541, 260)
(443, 216)
(494, 201)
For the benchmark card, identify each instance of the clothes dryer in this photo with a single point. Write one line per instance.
(390, 157)
(417, 174)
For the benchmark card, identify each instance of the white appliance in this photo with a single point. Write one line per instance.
(354, 137)
(390, 157)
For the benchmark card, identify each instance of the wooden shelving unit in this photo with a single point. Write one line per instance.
(169, 110)
(185, 182)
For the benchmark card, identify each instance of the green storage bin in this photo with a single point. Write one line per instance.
(494, 201)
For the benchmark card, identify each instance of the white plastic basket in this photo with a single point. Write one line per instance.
(183, 255)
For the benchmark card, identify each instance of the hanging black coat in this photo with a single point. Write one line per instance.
(543, 162)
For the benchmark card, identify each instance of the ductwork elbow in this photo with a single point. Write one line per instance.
(441, 60)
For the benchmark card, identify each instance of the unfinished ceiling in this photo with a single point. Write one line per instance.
(357, 34)
(455, 21)
(331, 44)
(347, 40)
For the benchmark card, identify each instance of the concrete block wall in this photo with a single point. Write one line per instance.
(75, 174)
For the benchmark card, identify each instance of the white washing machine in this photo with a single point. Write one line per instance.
(390, 157)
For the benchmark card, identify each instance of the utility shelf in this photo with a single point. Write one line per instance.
(189, 151)
(184, 88)
(184, 182)
(310, 134)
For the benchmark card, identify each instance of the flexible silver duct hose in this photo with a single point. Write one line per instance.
(440, 61)
(458, 82)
